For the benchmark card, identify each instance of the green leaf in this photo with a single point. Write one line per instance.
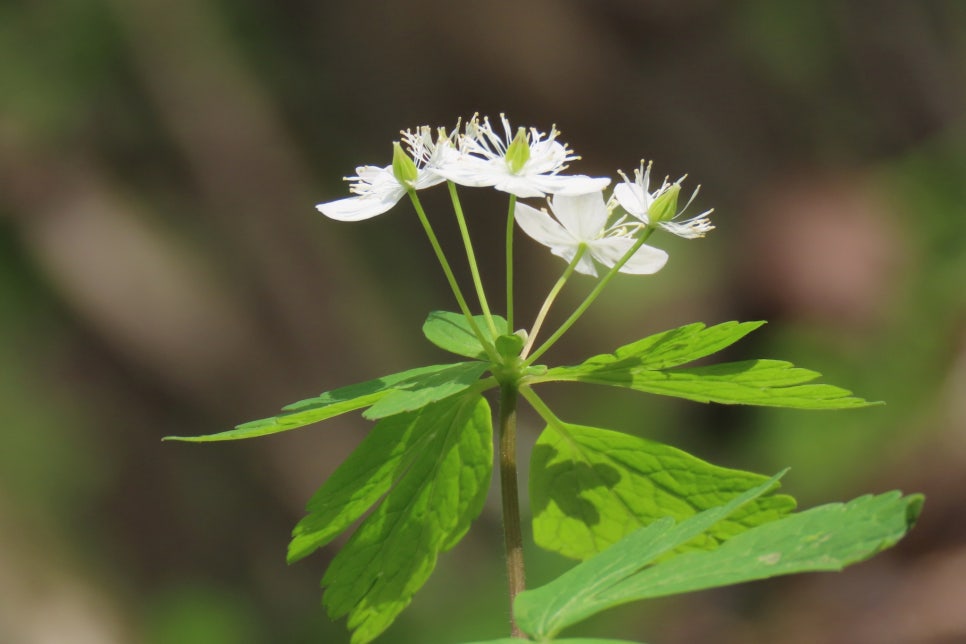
(826, 538)
(590, 487)
(648, 365)
(431, 468)
(672, 348)
(575, 595)
(769, 383)
(327, 405)
(421, 389)
(451, 332)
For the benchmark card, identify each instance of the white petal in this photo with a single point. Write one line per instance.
(473, 172)
(632, 198)
(374, 175)
(586, 263)
(427, 178)
(583, 215)
(570, 184)
(544, 229)
(645, 261)
(359, 208)
(521, 186)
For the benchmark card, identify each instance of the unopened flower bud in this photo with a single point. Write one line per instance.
(518, 152)
(665, 207)
(403, 167)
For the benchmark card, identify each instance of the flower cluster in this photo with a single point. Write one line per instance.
(527, 163)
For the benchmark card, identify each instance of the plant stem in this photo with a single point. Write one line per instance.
(551, 296)
(460, 300)
(539, 406)
(569, 322)
(513, 537)
(511, 213)
(471, 257)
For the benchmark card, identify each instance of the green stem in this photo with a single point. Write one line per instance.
(511, 213)
(460, 300)
(594, 294)
(551, 296)
(539, 406)
(512, 533)
(471, 257)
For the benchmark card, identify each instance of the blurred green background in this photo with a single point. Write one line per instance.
(163, 271)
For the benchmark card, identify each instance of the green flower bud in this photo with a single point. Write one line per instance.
(509, 346)
(403, 167)
(665, 206)
(518, 153)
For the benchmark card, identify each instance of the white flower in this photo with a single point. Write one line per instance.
(582, 220)
(432, 154)
(525, 164)
(378, 189)
(634, 197)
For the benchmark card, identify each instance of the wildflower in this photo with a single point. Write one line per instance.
(525, 164)
(659, 207)
(379, 189)
(431, 153)
(581, 220)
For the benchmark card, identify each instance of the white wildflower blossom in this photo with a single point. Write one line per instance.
(523, 163)
(432, 153)
(582, 220)
(639, 202)
(378, 189)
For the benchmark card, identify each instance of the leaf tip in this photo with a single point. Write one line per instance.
(914, 503)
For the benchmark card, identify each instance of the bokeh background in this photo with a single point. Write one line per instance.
(163, 271)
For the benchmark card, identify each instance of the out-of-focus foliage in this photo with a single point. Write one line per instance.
(163, 271)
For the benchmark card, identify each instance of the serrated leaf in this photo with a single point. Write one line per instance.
(826, 538)
(451, 332)
(543, 612)
(324, 406)
(590, 487)
(770, 383)
(431, 468)
(420, 390)
(674, 347)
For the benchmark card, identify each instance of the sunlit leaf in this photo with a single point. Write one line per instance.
(327, 405)
(653, 365)
(826, 538)
(422, 389)
(590, 487)
(648, 365)
(771, 383)
(574, 596)
(431, 470)
(675, 346)
(451, 331)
